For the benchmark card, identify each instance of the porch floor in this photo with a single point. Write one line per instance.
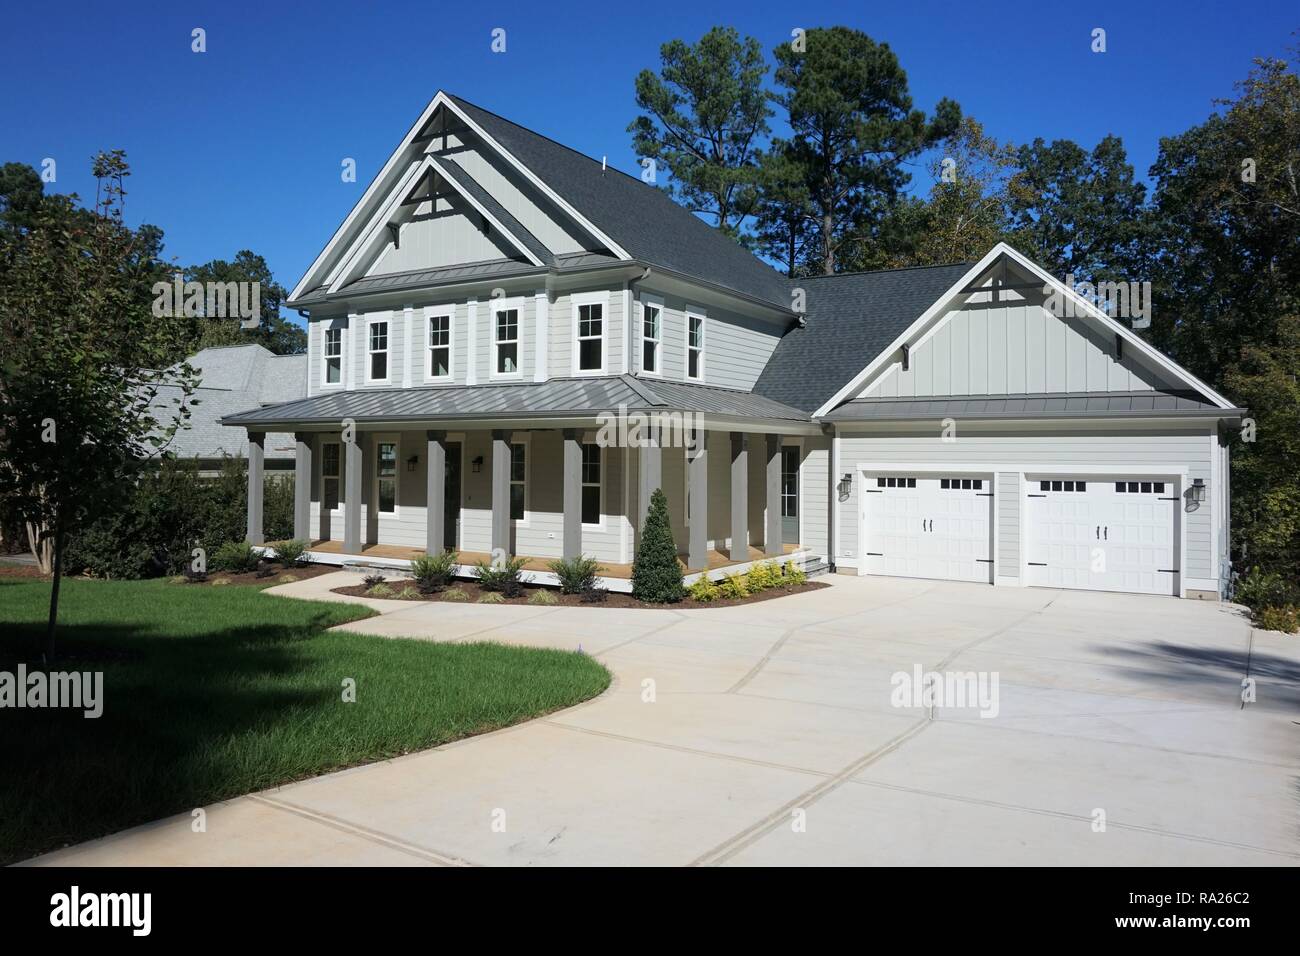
(717, 559)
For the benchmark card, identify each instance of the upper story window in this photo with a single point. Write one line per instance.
(439, 346)
(333, 356)
(505, 342)
(694, 346)
(378, 348)
(590, 483)
(591, 337)
(651, 337)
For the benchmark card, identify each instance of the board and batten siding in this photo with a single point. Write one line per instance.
(1014, 346)
(996, 450)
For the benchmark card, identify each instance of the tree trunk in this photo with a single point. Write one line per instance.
(54, 592)
(41, 547)
(828, 245)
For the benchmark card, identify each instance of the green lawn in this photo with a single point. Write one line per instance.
(211, 692)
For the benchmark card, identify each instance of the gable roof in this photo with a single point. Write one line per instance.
(641, 218)
(851, 318)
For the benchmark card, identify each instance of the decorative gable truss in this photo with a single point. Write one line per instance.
(1007, 327)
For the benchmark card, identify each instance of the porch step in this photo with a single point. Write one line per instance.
(815, 566)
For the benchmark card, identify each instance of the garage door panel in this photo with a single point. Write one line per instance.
(924, 526)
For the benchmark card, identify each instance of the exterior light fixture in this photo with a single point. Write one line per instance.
(477, 464)
(412, 462)
(1198, 490)
(845, 485)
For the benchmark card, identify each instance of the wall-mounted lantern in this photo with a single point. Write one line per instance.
(845, 486)
(412, 462)
(476, 465)
(1198, 490)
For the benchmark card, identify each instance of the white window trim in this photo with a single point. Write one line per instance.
(505, 305)
(527, 519)
(448, 313)
(692, 312)
(387, 319)
(337, 477)
(341, 327)
(650, 302)
(394, 439)
(590, 298)
(600, 525)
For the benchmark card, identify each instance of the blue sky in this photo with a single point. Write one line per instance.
(240, 147)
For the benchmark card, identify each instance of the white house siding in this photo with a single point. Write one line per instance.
(736, 346)
(561, 331)
(1008, 452)
(1014, 347)
(814, 492)
(450, 238)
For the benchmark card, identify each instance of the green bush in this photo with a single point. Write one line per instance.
(235, 556)
(577, 576)
(433, 572)
(656, 572)
(793, 575)
(373, 580)
(732, 587)
(380, 591)
(504, 579)
(703, 590)
(290, 553)
(543, 598)
(1284, 618)
(1259, 588)
(492, 597)
(408, 593)
(763, 576)
(455, 594)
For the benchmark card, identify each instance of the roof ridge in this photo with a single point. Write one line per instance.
(643, 389)
(876, 272)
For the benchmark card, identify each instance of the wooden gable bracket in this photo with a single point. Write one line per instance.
(395, 230)
(907, 356)
(1119, 347)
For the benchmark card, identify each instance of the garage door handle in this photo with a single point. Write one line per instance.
(1098, 532)
(1105, 533)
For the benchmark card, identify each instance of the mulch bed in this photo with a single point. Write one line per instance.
(19, 570)
(473, 591)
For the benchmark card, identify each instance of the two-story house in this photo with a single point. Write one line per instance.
(511, 346)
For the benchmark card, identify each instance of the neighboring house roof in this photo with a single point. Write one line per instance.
(643, 219)
(557, 397)
(233, 378)
(1055, 405)
(849, 316)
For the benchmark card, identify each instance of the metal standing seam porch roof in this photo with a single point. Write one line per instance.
(554, 398)
(1041, 406)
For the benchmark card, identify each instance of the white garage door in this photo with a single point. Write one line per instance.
(1102, 535)
(929, 526)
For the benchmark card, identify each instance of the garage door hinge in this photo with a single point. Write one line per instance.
(1169, 499)
(984, 494)
(1036, 496)
(1167, 570)
(1038, 564)
(874, 554)
(984, 560)
(874, 491)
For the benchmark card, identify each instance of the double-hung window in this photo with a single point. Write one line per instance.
(386, 477)
(330, 471)
(333, 356)
(377, 339)
(518, 479)
(651, 337)
(694, 346)
(590, 483)
(439, 346)
(591, 337)
(505, 342)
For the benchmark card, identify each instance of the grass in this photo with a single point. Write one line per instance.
(214, 692)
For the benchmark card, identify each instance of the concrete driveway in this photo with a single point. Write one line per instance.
(766, 735)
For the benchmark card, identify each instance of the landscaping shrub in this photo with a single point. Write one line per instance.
(732, 587)
(504, 579)
(595, 596)
(408, 593)
(543, 598)
(492, 597)
(455, 594)
(793, 575)
(432, 572)
(763, 576)
(290, 553)
(577, 576)
(703, 590)
(656, 572)
(380, 591)
(1284, 618)
(235, 556)
(1258, 588)
(373, 580)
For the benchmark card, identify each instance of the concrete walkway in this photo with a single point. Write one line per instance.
(766, 735)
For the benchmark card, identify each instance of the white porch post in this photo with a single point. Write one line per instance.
(697, 464)
(501, 492)
(651, 471)
(572, 466)
(304, 445)
(435, 488)
(352, 493)
(256, 456)
(739, 496)
(772, 543)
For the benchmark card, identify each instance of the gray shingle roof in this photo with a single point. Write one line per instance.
(1055, 405)
(851, 318)
(643, 219)
(583, 397)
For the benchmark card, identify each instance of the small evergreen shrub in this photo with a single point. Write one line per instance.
(380, 591)
(732, 587)
(656, 572)
(290, 553)
(1284, 618)
(408, 593)
(432, 572)
(373, 580)
(762, 576)
(543, 598)
(595, 596)
(455, 594)
(504, 579)
(793, 575)
(492, 597)
(577, 576)
(703, 590)
(235, 556)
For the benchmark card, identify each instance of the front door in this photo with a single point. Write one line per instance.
(451, 497)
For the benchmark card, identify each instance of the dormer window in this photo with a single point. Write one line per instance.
(377, 338)
(333, 356)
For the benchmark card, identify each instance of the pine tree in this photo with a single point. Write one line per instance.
(656, 573)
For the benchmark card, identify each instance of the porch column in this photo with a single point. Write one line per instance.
(572, 466)
(435, 501)
(739, 496)
(256, 456)
(651, 471)
(352, 475)
(501, 492)
(302, 458)
(772, 543)
(697, 466)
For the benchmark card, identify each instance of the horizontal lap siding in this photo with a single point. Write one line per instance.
(1007, 489)
(814, 493)
(1111, 448)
